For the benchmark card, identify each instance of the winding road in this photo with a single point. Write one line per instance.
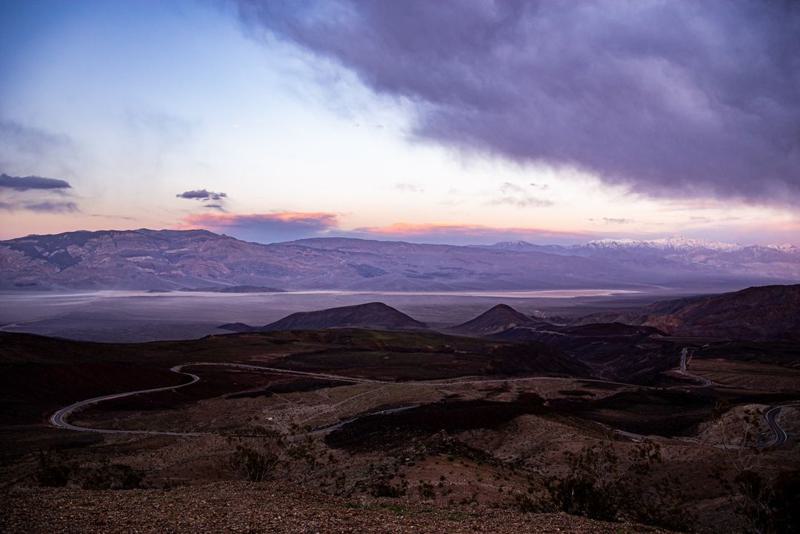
(771, 416)
(59, 419)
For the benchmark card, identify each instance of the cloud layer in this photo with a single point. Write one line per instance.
(25, 183)
(31, 193)
(266, 227)
(672, 99)
(289, 225)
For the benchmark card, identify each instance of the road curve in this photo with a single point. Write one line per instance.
(59, 418)
(771, 416)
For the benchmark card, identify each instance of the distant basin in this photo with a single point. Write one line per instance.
(125, 315)
(521, 294)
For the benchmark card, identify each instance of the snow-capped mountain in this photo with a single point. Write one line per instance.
(670, 243)
(680, 254)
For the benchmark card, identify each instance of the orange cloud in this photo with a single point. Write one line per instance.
(232, 219)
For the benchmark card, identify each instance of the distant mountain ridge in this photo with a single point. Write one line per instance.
(199, 259)
(670, 243)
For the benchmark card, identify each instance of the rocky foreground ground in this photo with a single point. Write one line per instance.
(268, 507)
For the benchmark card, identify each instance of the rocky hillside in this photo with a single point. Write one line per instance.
(614, 351)
(766, 313)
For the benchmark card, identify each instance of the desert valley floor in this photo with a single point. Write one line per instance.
(353, 429)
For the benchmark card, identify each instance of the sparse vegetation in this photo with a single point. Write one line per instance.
(601, 485)
(51, 469)
(111, 476)
(256, 456)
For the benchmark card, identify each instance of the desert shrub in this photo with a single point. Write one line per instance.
(383, 488)
(51, 469)
(253, 464)
(257, 452)
(770, 506)
(600, 485)
(54, 471)
(587, 489)
(426, 490)
(108, 476)
(526, 504)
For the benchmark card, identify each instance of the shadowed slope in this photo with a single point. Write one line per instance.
(766, 313)
(376, 315)
(497, 319)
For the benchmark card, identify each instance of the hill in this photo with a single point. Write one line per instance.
(372, 315)
(767, 313)
(614, 351)
(498, 318)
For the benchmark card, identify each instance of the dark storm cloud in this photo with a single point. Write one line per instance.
(673, 98)
(25, 183)
(201, 194)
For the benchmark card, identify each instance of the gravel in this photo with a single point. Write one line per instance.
(268, 507)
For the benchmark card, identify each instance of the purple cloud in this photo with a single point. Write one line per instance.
(201, 194)
(672, 99)
(25, 183)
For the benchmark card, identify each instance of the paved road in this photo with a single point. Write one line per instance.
(771, 416)
(60, 418)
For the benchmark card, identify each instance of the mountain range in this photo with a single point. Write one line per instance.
(198, 259)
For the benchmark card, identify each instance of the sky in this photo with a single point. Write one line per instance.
(447, 122)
